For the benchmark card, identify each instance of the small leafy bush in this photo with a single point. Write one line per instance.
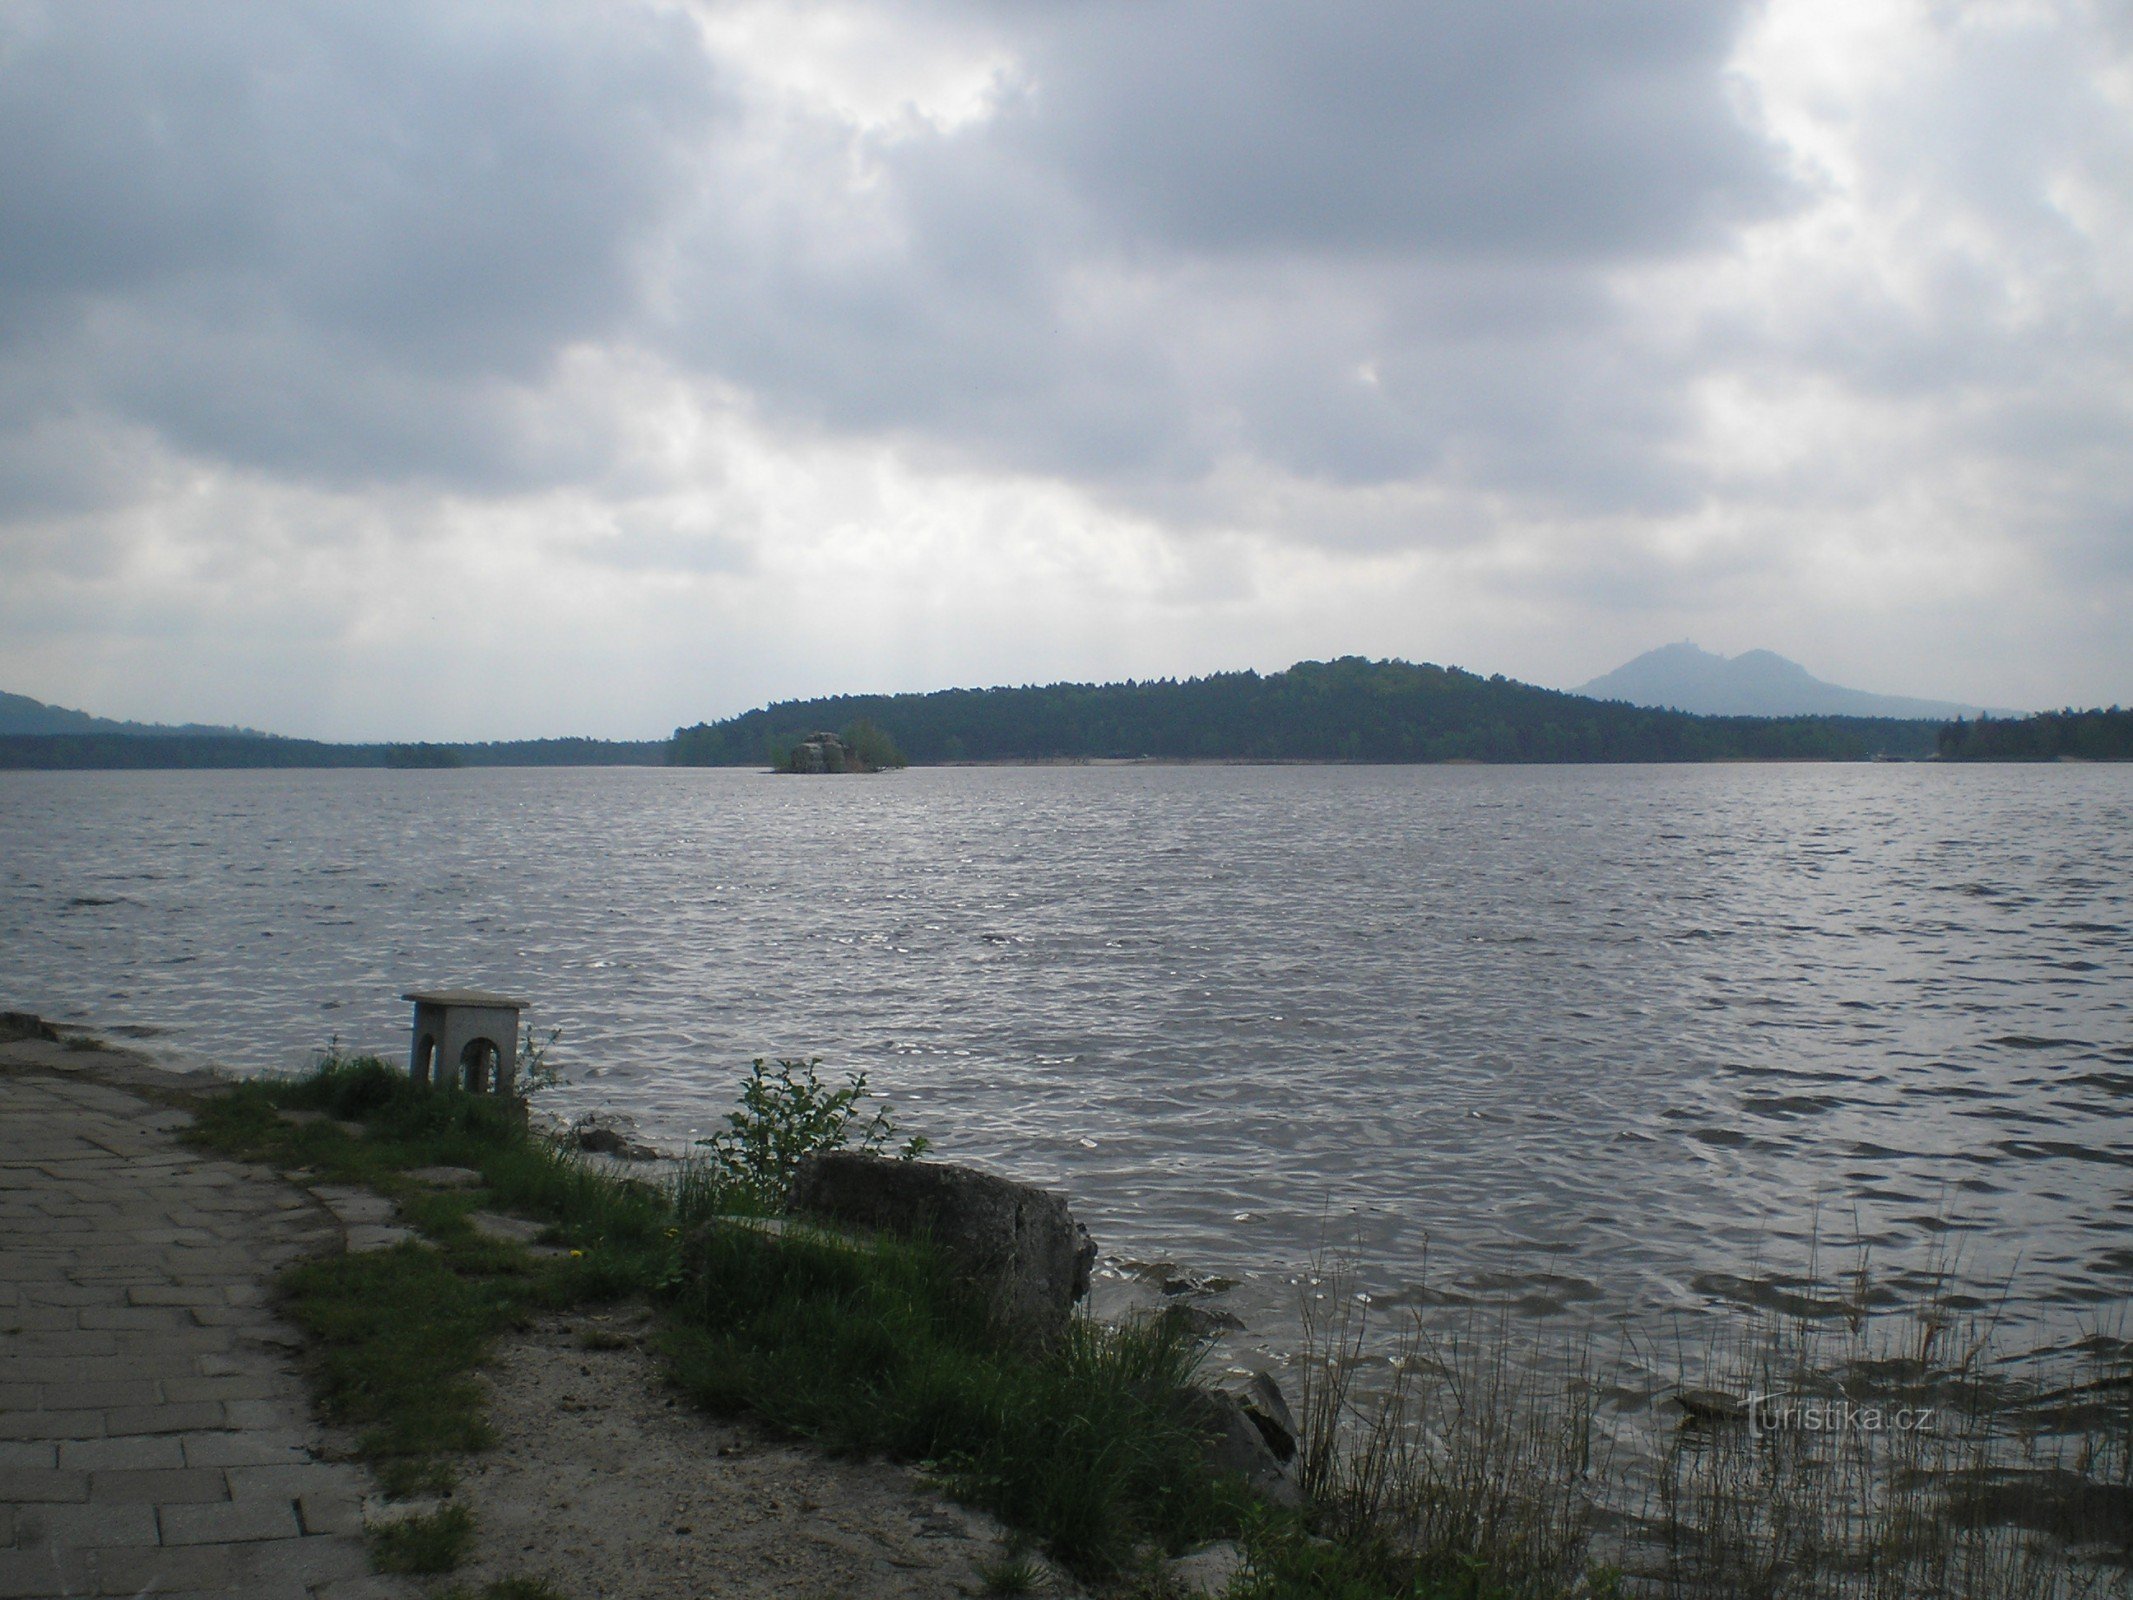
(787, 1112)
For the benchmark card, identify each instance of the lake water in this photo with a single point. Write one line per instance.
(1602, 1042)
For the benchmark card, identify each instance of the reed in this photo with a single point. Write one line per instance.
(1850, 1440)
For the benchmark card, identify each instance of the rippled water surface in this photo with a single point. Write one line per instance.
(1592, 1040)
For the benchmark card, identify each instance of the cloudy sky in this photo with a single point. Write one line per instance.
(476, 370)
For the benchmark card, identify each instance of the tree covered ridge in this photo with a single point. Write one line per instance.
(1351, 709)
(2081, 735)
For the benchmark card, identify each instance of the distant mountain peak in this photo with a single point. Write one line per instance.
(19, 714)
(1755, 683)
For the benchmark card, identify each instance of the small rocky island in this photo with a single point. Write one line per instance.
(860, 748)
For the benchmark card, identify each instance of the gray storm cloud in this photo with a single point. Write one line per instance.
(1605, 303)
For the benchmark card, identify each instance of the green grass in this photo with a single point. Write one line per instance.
(436, 1542)
(879, 1349)
(873, 1348)
(506, 1589)
(399, 1333)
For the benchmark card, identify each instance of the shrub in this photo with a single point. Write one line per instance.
(788, 1112)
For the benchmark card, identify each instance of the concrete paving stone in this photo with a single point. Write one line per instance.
(103, 1394)
(170, 1339)
(228, 1316)
(174, 1294)
(188, 1418)
(258, 1448)
(23, 1269)
(353, 1205)
(171, 1233)
(292, 1482)
(66, 1292)
(51, 1425)
(139, 1453)
(230, 1522)
(40, 1574)
(364, 1239)
(135, 1317)
(92, 1527)
(66, 1342)
(183, 1486)
(94, 1369)
(260, 1413)
(213, 1567)
(331, 1513)
(42, 1485)
(251, 1386)
(105, 1256)
(186, 1258)
(41, 1319)
(29, 1453)
(20, 1396)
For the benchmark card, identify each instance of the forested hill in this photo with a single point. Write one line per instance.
(2049, 736)
(1345, 710)
(64, 752)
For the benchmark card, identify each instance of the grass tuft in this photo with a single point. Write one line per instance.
(506, 1589)
(879, 1348)
(423, 1545)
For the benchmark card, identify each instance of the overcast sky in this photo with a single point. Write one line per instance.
(475, 370)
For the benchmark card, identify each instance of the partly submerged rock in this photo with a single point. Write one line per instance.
(602, 1133)
(1710, 1405)
(1231, 1442)
(1203, 1323)
(1268, 1408)
(1018, 1244)
(16, 1025)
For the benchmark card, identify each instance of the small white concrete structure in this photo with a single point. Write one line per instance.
(464, 1037)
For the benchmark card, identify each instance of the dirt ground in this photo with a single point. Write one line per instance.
(610, 1488)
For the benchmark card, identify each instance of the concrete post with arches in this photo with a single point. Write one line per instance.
(464, 1038)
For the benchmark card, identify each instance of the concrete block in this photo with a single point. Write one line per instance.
(186, 1418)
(92, 1527)
(230, 1522)
(244, 1449)
(138, 1453)
(41, 1486)
(182, 1486)
(233, 1387)
(44, 1572)
(52, 1425)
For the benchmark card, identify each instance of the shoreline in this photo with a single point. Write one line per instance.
(597, 1484)
(566, 1355)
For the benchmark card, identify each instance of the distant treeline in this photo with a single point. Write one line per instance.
(2079, 735)
(1346, 710)
(111, 751)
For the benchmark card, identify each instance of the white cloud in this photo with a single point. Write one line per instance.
(753, 350)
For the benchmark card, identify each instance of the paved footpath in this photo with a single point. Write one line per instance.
(155, 1435)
